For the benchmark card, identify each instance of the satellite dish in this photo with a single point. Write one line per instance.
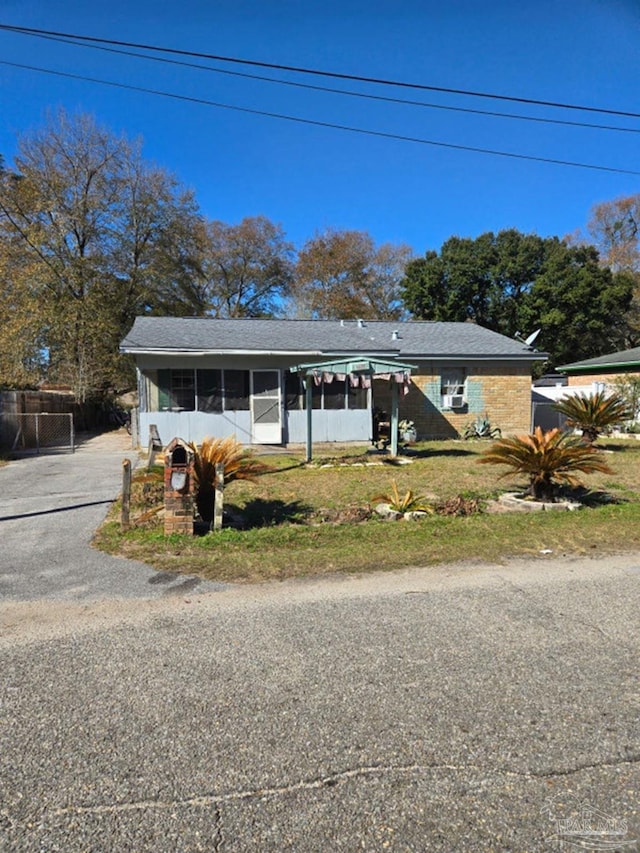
(528, 341)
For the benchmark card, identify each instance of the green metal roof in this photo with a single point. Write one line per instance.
(370, 366)
(628, 359)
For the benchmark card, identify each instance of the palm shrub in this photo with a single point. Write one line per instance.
(593, 413)
(549, 459)
(239, 464)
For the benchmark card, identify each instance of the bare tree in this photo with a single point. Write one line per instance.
(342, 274)
(246, 268)
(99, 225)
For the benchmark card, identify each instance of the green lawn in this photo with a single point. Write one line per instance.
(295, 516)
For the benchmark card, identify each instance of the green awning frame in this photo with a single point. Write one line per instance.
(363, 366)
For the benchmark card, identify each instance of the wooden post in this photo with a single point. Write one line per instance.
(126, 494)
(155, 445)
(218, 505)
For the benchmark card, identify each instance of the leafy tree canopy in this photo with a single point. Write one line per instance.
(514, 283)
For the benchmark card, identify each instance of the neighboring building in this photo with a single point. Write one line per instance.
(581, 377)
(603, 370)
(201, 376)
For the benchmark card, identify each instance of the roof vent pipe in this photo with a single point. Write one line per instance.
(395, 335)
(361, 324)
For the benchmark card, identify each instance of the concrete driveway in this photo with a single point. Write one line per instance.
(50, 506)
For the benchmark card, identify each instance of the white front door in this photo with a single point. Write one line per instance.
(266, 423)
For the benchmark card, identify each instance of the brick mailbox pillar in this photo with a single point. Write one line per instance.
(178, 488)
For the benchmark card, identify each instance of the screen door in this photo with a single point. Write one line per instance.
(266, 423)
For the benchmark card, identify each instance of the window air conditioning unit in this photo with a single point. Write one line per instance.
(454, 401)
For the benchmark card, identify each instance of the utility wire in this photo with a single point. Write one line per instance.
(346, 92)
(314, 71)
(316, 123)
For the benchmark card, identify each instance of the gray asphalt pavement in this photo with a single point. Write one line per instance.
(460, 708)
(50, 506)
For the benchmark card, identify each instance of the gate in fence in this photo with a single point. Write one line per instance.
(37, 432)
(545, 416)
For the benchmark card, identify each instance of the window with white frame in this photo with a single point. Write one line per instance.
(453, 389)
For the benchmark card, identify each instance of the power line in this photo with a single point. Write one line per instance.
(324, 124)
(346, 92)
(316, 72)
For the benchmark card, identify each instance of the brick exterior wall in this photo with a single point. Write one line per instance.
(178, 505)
(178, 514)
(608, 378)
(501, 391)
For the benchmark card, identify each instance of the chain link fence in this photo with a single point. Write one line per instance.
(37, 432)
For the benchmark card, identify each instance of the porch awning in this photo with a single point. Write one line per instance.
(358, 366)
(358, 370)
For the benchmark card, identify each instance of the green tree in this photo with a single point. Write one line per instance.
(512, 282)
(21, 344)
(579, 305)
(343, 274)
(483, 279)
(97, 225)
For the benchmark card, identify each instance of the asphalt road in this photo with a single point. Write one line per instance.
(464, 708)
(457, 708)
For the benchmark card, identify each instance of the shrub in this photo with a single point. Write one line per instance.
(593, 413)
(481, 428)
(548, 459)
(409, 502)
(239, 464)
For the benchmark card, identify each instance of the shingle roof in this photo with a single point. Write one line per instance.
(624, 358)
(322, 338)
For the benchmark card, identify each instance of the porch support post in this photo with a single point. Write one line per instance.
(394, 418)
(309, 418)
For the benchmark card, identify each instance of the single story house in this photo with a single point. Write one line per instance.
(604, 369)
(246, 377)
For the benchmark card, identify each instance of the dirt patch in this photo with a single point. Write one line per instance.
(37, 621)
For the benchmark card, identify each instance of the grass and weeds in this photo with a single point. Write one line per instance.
(311, 520)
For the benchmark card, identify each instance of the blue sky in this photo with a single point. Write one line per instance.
(307, 178)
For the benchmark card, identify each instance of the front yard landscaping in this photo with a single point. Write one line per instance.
(298, 520)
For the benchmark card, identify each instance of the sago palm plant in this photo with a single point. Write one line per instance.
(548, 459)
(238, 463)
(593, 413)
